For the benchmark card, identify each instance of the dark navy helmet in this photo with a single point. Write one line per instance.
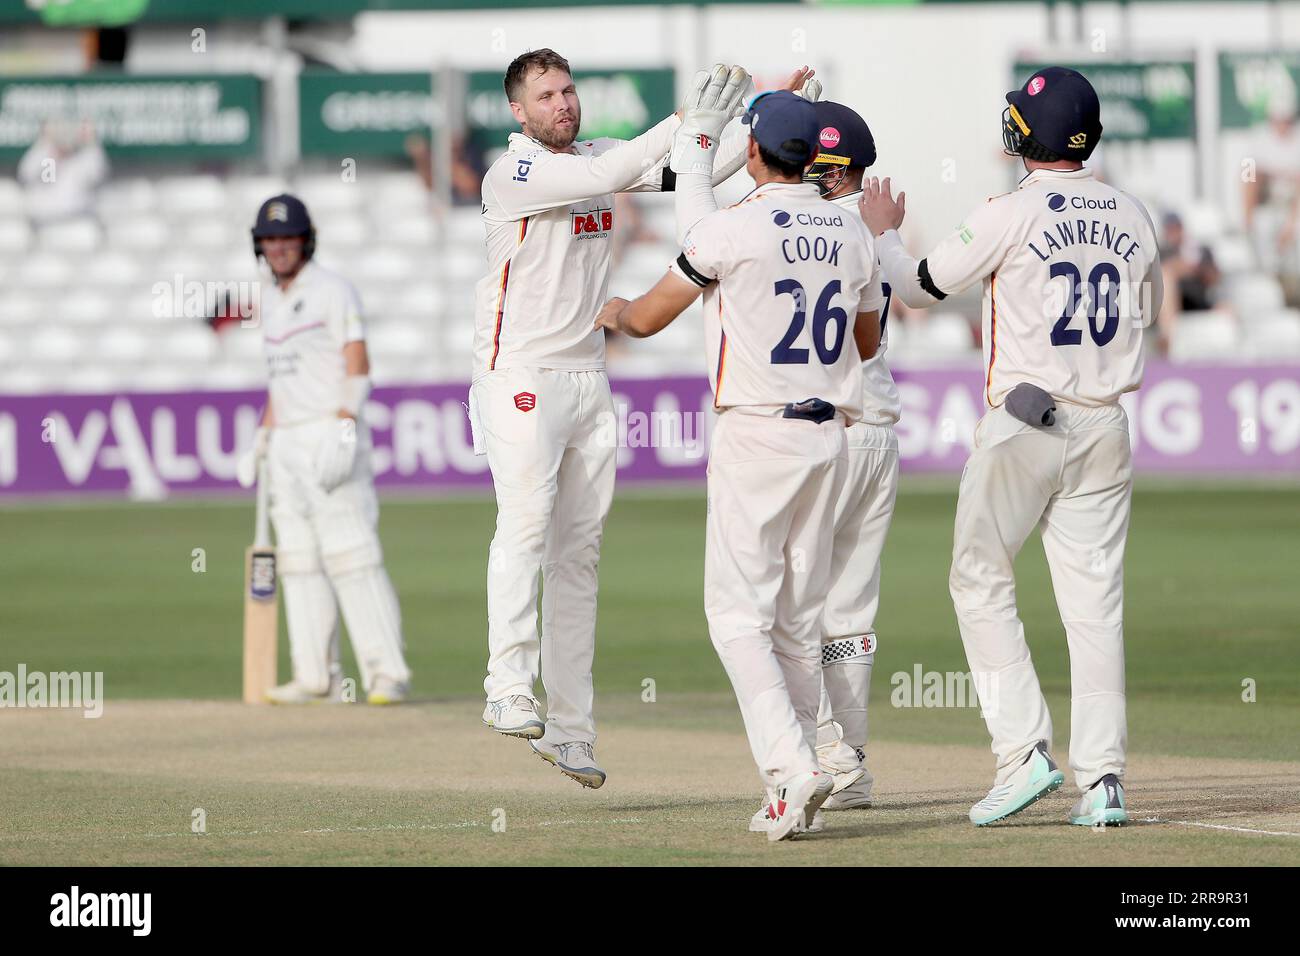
(783, 124)
(845, 142)
(284, 215)
(1055, 115)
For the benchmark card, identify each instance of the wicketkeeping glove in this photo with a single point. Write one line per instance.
(337, 453)
(812, 90)
(715, 97)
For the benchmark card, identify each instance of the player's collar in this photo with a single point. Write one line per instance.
(848, 200)
(786, 187)
(1069, 175)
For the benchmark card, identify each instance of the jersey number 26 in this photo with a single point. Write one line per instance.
(823, 315)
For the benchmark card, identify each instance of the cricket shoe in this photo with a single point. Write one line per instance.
(761, 821)
(854, 795)
(514, 716)
(296, 693)
(574, 759)
(1035, 778)
(1102, 805)
(794, 807)
(385, 692)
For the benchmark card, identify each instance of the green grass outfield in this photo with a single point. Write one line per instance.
(1210, 583)
(1211, 574)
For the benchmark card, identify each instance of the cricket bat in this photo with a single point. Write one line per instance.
(261, 603)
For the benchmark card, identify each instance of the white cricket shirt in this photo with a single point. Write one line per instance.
(304, 330)
(550, 222)
(793, 271)
(1064, 259)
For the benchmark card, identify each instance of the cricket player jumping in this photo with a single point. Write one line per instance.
(540, 396)
(788, 281)
(323, 503)
(1071, 276)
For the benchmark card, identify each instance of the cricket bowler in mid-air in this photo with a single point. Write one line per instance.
(1071, 277)
(792, 294)
(317, 446)
(540, 398)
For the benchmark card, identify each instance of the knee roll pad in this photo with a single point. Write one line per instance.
(298, 561)
(368, 555)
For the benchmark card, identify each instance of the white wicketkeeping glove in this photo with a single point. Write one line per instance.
(715, 97)
(246, 465)
(336, 454)
(812, 90)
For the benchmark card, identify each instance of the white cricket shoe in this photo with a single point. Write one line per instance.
(385, 692)
(575, 759)
(514, 716)
(794, 806)
(856, 795)
(761, 821)
(295, 693)
(1102, 805)
(1035, 778)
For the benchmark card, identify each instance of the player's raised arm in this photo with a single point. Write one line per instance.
(652, 312)
(714, 98)
(968, 255)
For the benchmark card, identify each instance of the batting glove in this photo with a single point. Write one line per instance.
(715, 97)
(246, 465)
(337, 454)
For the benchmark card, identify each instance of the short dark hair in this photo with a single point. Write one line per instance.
(536, 61)
(779, 165)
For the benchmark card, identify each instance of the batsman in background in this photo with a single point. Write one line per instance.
(866, 506)
(792, 293)
(1071, 277)
(540, 396)
(323, 503)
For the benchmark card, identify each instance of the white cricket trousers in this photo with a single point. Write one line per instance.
(773, 483)
(328, 550)
(1074, 482)
(551, 445)
(863, 514)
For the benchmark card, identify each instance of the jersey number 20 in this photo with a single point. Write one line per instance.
(1098, 305)
(823, 315)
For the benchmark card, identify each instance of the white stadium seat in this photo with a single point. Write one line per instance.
(139, 234)
(85, 307)
(327, 193)
(941, 335)
(115, 268)
(192, 345)
(28, 380)
(123, 344)
(205, 235)
(1274, 336)
(1233, 254)
(464, 226)
(95, 378)
(12, 347)
(55, 344)
(126, 199)
(11, 194)
(230, 375)
(1204, 336)
(163, 378)
(386, 264)
(242, 345)
(400, 340)
(15, 237)
(416, 230)
(17, 308)
(44, 270)
(180, 196)
(1252, 293)
(1203, 221)
(74, 235)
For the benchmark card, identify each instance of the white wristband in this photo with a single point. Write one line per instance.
(356, 389)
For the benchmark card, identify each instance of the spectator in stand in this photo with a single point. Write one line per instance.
(61, 172)
(1191, 278)
(466, 174)
(1271, 199)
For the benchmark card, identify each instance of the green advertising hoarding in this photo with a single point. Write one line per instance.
(1250, 82)
(363, 114)
(157, 117)
(617, 103)
(1140, 100)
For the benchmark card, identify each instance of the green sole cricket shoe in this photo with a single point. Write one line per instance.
(1102, 805)
(1034, 779)
(575, 759)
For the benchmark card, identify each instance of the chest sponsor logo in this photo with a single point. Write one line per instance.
(525, 401)
(1056, 202)
(592, 224)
